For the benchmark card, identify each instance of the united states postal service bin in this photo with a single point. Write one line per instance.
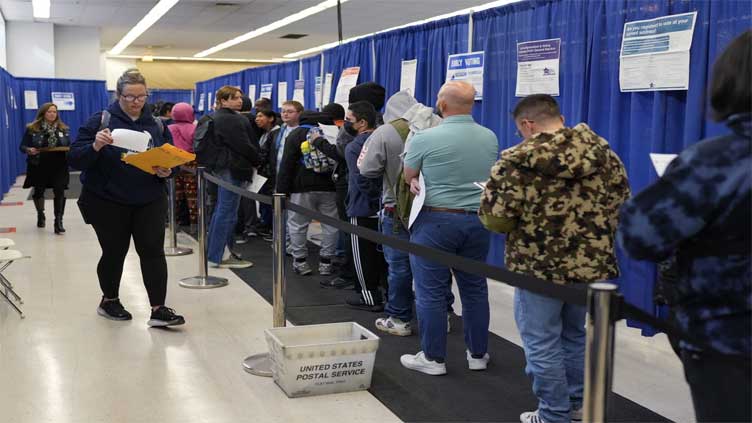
(322, 359)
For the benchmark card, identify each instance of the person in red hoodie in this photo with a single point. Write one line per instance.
(182, 130)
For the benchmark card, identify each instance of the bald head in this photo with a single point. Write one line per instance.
(456, 98)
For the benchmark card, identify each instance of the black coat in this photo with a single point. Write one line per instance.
(238, 143)
(293, 177)
(49, 169)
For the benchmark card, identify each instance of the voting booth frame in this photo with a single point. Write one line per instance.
(603, 301)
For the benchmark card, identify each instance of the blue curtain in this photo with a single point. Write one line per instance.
(356, 53)
(12, 162)
(635, 124)
(273, 74)
(431, 44)
(211, 86)
(288, 72)
(311, 69)
(173, 96)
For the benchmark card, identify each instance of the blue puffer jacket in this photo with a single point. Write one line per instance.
(363, 194)
(104, 173)
(699, 210)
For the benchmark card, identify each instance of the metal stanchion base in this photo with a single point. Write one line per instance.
(177, 251)
(258, 364)
(203, 282)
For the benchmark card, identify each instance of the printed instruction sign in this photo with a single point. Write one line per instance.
(347, 80)
(64, 101)
(538, 67)
(327, 89)
(298, 93)
(655, 53)
(281, 93)
(209, 104)
(407, 76)
(317, 92)
(30, 100)
(201, 99)
(252, 92)
(467, 67)
(266, 91)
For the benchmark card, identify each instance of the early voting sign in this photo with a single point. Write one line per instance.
(266, 91)
(64, 101)
(655, 53)
(538, 67)
(467, 67)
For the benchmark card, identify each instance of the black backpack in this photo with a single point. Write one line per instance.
(205, 144)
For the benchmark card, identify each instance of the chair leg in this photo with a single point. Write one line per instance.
(9, 287)
(12, 304)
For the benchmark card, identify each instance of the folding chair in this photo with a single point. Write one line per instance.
(6, 243)
(7, 257)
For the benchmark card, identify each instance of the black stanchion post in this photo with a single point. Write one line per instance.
(172, 249)
(599, 351)
(203, 280)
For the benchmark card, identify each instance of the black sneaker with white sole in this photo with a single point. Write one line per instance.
(113, 310)
(165, 316)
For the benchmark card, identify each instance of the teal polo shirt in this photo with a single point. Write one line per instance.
(452, 156)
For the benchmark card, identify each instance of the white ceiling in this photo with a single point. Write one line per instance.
(195, 25)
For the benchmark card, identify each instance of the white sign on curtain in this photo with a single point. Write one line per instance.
(64, 101)
(30, 100)
(327, 89)
(467, 67)
(266, 91)
(655, 53)
(209, 104)
(318, 91)
(407, 76)
(347, 80)
(252, 92)
(201, 99)
(281, 93)
(299, 92)
(538, 67)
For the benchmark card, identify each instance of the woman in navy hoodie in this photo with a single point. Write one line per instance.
(121, 201)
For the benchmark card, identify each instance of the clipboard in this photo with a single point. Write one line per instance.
(53, 149)
(167, 156)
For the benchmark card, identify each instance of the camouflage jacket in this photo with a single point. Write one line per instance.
(559, 195)
(700, 210)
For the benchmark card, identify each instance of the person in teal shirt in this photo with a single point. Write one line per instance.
(451, 157)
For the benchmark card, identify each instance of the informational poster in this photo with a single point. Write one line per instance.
(407, 76)
(201, 99)
(299, 93)
(655, 53)
(64, 101)
(30, 100)
(266, 91)
(318, 91)
(252, 92)
(347, 80)
(467, 67)
(661, 162)
(209, 104)
(327, 89)
(281, 93)
(538, 67)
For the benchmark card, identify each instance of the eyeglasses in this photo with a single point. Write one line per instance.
(285, 111)
(132, 98)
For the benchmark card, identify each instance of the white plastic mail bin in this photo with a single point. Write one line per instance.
(322, 359)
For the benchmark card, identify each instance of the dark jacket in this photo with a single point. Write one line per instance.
(700, 211)
(104, 173)
(293, 177)
(239, 144)
(363, 194)
(268, 167)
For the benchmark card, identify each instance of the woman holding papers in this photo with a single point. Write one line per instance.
(122, 201)
(46, 141)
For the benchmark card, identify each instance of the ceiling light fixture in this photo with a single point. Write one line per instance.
(145, 23)
(41, 9)
(195, 59)
(435, 18)
(271, 27)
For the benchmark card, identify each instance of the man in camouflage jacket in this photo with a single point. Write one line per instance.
(557, 196)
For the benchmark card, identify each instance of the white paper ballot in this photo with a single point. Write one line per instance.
(131, 140)
(257, 181)
(481, 185)
(330, 132)
(661, 162)
(418, 201)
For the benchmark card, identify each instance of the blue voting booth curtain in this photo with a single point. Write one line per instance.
(12, 162)
(635, 124)
(287, 72)
(172, 96)
(311, 70)
(355, 53)
(273, 74)
(430, 44)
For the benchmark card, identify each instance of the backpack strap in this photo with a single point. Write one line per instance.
(403, 129)
(104, 122)
(160, 125)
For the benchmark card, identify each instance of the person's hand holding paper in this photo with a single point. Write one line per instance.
(131, 140)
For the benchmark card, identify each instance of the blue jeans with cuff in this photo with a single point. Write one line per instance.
(223, 220)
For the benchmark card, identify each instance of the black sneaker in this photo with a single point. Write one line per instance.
(113, 310)
(164, 316)
(358, 303)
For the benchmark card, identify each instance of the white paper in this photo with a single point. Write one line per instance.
(257, 181)
(418, 201)
(281, 93)
(266, 91)
(131, 140)
(201, 99)
(318, 91)
(330, 132)
(64, 101)
(298, 93)
(661, 162)
(655, 53)
(467, 67)
(30, 100)
(479, 184)
(252, 92)
(407, 76)
(327, 89)
(347, 80)
(538, 67)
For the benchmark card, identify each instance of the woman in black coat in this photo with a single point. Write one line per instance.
(46, 142)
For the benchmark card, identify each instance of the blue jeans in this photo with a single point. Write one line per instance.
(399, 276)
(463, 235)
(224, 218)
(553, 336)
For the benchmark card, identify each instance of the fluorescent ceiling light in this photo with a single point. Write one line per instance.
(41, 8)
(195, 59)
(145, 23)
(435, 18)
(271, 27)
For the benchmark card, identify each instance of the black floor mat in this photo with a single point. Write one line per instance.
(498, 394)
(73, 191)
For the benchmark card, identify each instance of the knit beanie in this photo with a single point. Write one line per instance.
(370, 92)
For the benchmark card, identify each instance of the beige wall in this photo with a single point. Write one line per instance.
(184, 75)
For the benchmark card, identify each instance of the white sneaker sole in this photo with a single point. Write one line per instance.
(161, 323)
(235, 266)
(394, 331)
(101, 312)
(433, 371)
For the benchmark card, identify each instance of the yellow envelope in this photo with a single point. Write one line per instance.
(167, 156)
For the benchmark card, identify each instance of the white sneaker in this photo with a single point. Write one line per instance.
(326, 269)
(302, 268)
(531, 417)
(232, 263)
(477, 363)
(394, 326)
(420, 363)
(576, 415)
